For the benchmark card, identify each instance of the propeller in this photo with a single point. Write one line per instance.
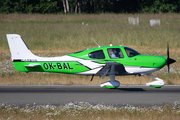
(169, 60)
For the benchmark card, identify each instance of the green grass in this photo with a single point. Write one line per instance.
(62, 31)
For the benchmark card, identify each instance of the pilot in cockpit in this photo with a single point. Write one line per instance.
(115, 53)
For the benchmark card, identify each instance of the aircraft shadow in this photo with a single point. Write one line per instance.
(131, 89)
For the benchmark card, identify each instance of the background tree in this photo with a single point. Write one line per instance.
(89, 6)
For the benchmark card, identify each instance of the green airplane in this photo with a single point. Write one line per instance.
(101, 61)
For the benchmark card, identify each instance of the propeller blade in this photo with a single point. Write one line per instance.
(168, 56)
(169, 60)
(168, 67)
(167, 50)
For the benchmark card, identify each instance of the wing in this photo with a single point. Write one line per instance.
(112, 68)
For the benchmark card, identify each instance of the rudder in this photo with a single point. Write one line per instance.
(18, 48)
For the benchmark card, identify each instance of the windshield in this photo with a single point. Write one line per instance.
(130, 52)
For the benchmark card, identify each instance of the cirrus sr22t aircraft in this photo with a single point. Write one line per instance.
(101, 61)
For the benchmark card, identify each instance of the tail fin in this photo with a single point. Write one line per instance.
(18, 48)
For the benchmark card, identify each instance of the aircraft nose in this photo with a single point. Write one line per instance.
(170, 60)
(154, 61)
(162, 61)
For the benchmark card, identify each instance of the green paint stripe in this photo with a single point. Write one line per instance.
(70, 67)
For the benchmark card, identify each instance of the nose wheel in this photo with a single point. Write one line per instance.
(157, 84)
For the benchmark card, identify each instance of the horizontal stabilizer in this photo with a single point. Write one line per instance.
(33, 65)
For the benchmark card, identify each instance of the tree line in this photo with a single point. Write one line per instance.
(89, 6)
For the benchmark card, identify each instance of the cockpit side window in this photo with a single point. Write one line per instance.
(115, 53)
(130, 52)
(97, 54)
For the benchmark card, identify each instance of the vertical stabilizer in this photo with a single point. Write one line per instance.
(18, 48)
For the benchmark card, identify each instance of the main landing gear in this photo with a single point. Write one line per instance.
(112, 83)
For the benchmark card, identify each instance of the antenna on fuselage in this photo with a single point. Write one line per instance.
(96, 42)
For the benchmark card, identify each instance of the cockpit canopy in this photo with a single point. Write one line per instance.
(112, 52)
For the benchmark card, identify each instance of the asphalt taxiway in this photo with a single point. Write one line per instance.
(137, 95)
